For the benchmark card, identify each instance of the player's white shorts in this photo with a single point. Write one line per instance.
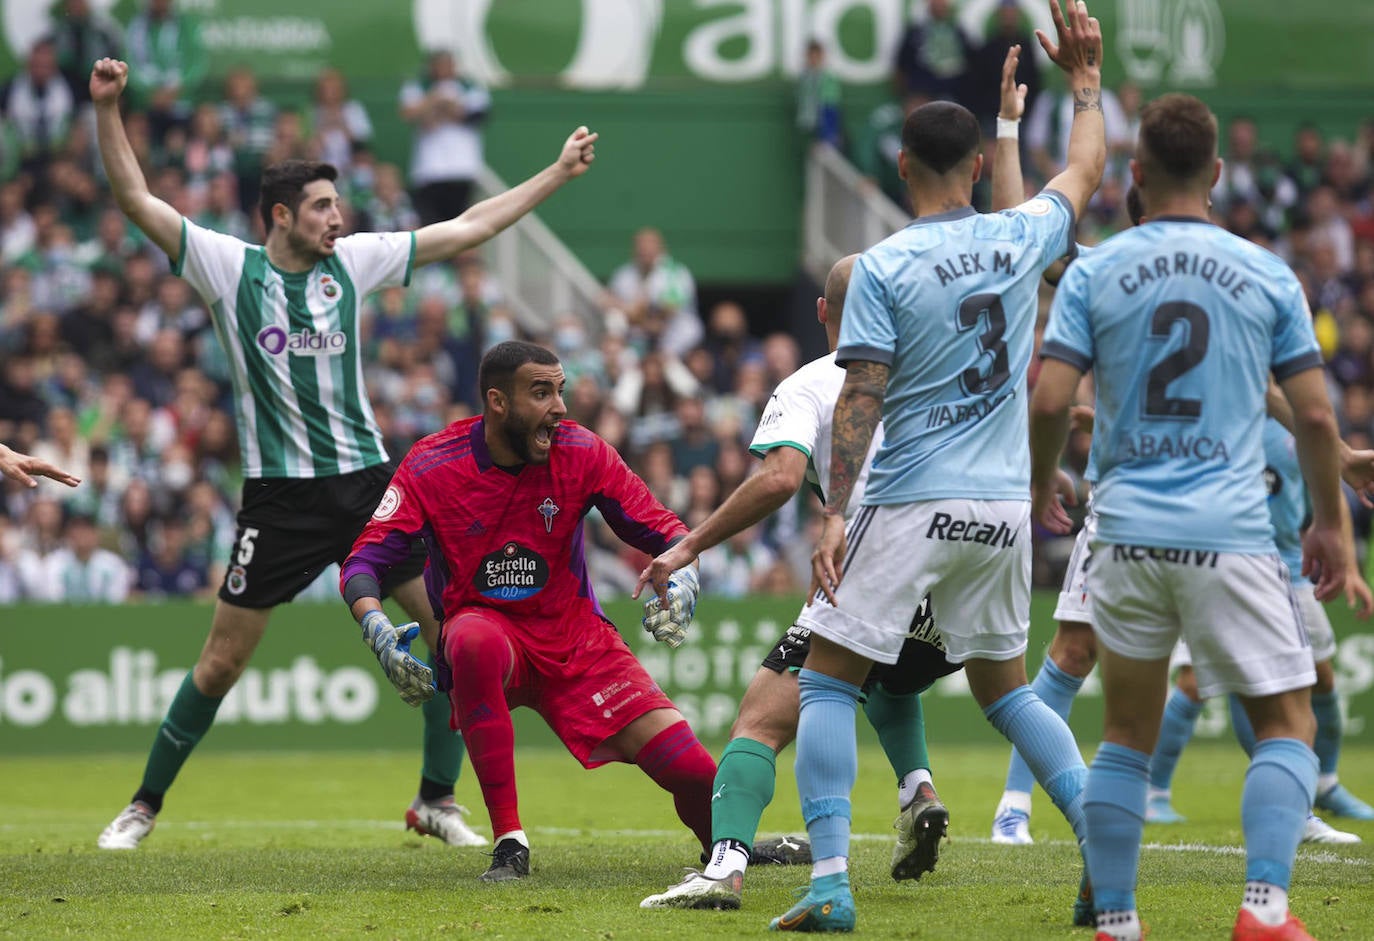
(1237, 613)
(1075, 604)
(972, 556)
(1319, 632)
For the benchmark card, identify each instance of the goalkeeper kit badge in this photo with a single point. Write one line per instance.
(548, 509)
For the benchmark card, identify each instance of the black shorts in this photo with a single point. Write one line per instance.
(290, 529)
(920, 663)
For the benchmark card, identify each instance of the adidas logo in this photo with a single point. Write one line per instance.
(476, 529)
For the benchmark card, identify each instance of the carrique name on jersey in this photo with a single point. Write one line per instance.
(511, 573)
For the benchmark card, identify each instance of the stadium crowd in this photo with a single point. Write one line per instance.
(110, 366)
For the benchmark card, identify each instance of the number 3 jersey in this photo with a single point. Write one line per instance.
(949, 304)
(1181, 323)
(510, 538)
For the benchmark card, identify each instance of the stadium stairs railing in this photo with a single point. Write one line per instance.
(844, 212)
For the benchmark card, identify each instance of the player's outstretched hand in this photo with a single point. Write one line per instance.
(23, 468)
(1047, 503)
(828, 559)
(1013, 95)
(108, 78)
(579, 150)
(1079, 35)
(668, 614)
(1324, 560)
(413, 679)
(658, 571)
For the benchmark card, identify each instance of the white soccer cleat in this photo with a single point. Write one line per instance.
(1011, 827)
(127, 830)
(698, 891)
(1318, 830)
(443, 819)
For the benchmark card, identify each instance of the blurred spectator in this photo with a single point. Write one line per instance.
(166, 569)
(81, 572)
(1047, 130)
(448, 111)
(653, 279)
(818, 100)
(388, 208)
(38, 106)
(1009, 29)
(340, 123)
(167, 63)
(934, 56)
(695, 444)
(1305, 169)
(221, 210)
(876, 154)
(80, 36)
(737, 567)
(249, 122)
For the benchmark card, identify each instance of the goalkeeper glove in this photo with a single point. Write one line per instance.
(412, 679)
(669, 622)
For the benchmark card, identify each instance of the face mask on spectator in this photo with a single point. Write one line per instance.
(177, 476)
(569, 340)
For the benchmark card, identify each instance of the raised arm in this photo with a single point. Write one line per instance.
(1079, 54)
(446, 239)
(159, 221)
(1007, 187)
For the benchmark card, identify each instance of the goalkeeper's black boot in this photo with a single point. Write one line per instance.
(510, 860)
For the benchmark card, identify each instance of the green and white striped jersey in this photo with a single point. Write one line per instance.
(292, 342)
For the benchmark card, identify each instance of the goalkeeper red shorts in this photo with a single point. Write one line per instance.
(586, 691)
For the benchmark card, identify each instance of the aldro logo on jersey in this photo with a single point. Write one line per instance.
(275, 341)
(511, 574)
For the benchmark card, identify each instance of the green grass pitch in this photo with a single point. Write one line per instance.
(279, 845)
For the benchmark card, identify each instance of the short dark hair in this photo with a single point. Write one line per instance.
(1178, 138)
(1135, 205)
(941, 135)
(499, 365)
(285, 181)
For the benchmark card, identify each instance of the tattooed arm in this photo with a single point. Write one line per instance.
(1079, 54)
(857, 413)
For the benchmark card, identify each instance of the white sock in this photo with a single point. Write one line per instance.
(1157, 793)
(516, 835)
(1119, 926)
(727, 856)
(1326, 782)
(829, 866)
(1015, 800)
(906, 788)
(1266, 902)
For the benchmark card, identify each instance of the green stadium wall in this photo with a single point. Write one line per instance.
(81, 679)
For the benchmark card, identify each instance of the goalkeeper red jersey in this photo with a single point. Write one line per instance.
(510, 538)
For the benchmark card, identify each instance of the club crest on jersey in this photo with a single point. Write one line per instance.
(275, 341)
(548, 509)
(329, 288)
(511, 573)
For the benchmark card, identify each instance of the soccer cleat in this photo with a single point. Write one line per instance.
(828, 911)
(920, 828)
(696, 890)
(1084, 916)
(127, 830)
(1318, 830)
(443, 819)
(781, 851)
(1250, 928)
(1339, 802)
(509, 861)
(1160, 810)
(1011, 827)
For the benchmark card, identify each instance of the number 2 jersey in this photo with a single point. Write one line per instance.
(949, 304)
(1182, 323)
(511, 538)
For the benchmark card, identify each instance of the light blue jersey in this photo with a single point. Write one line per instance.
(949, 304)
(1181, 323)
(1288, 505)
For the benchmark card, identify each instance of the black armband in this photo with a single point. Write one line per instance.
(359, 586)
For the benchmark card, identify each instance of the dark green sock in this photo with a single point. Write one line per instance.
(901, 728)
(742, 789)
(444, 749)
(189, 717)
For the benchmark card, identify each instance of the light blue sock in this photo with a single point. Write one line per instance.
(1046, 743)
(827, 760)
(1180, 717)
(1279, 787)
(1057, 690)
(1240, 724)
(1114, 804)
(1327, 708)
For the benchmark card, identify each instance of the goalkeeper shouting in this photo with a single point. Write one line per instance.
(499, 499)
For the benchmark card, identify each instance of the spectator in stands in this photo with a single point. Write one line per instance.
(168, 62)
(80, 571)
(167, 569)
(38, 106)
(339, 123)
(654, 279)
(249, 122)
(209, 155)
(934, 56)
(1305, 169)
(876, 154)
(818, 100)
(81, 35)
(221, 210)
(695, 444)
(448, 111)
(1047, 130)
(388, 208)
(985, 73)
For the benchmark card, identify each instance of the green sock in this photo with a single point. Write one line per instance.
(444, 748)
(188, 718)
(901, 728)
(743, 788)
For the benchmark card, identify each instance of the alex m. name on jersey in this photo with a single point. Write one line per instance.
(951, 269)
